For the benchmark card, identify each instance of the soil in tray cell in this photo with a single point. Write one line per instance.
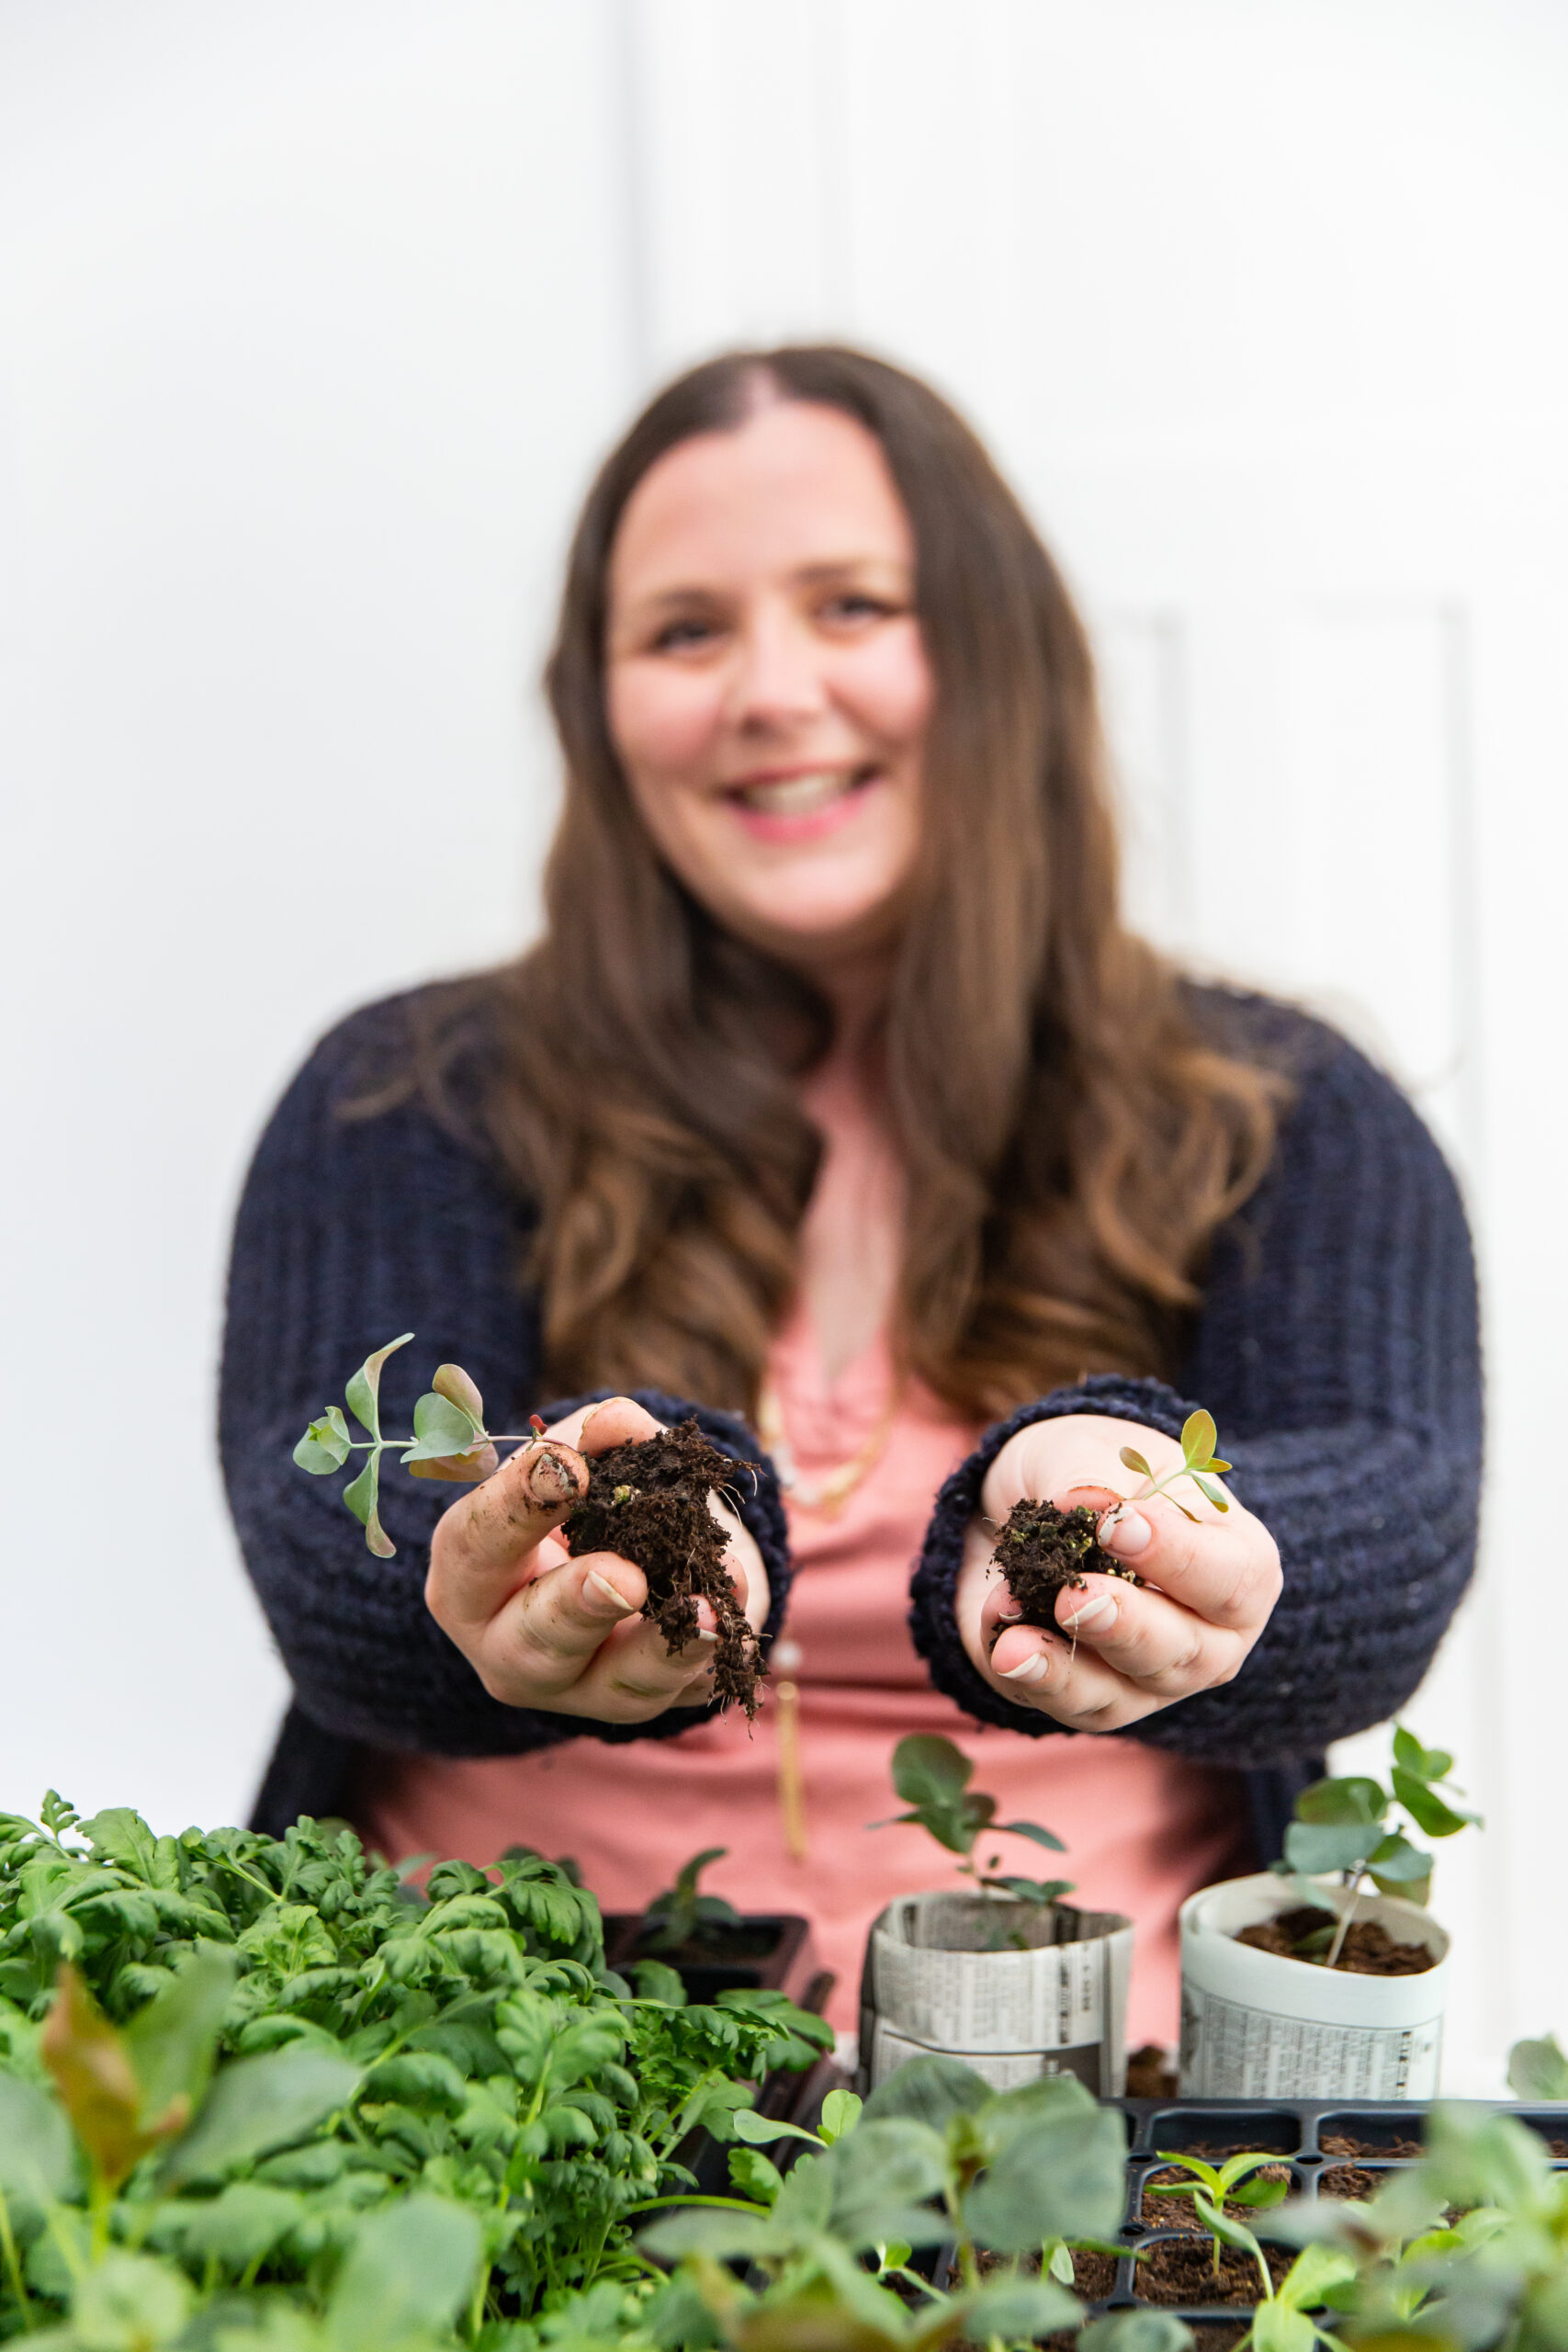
(1354, 2184)
(1368, 1949)
(1177, 2212)
(1214, 2135)
(1553, 2128)
(1366, 2135)
(1182, 2270)
(1094, 2274)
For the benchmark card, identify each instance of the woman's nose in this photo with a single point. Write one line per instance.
(776, 679)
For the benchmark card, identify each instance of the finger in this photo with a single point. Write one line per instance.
(1225, 1570)
(481, 1545)
(1148, 1638)
(544, 1635)
(614, 1420)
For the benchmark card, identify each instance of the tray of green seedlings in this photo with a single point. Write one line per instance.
(1240, 2158)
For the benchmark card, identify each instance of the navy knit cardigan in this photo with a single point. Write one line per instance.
(1336, 1346)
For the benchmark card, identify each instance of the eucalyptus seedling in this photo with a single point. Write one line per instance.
(449, 1438)
(1221, 2185)
(1198, 1462)
(1282, 2321)
(933, 1776)
(683, 1915)
(1351, 1825)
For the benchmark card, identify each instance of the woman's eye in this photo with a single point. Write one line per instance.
(674, 635)
(853, 606)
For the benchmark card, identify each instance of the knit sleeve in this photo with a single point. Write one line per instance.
(1337, 1348)
(352, 1229)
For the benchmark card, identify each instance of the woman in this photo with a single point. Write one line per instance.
(836, 1098)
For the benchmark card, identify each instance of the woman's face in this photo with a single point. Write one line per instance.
(766, 682)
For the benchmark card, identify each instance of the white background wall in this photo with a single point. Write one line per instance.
(313, 318)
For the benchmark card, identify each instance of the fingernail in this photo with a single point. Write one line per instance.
(1034, 1669)
(548, 1481)
(1093, 1617)
(1127, 1535)
(599, 1589)
(704, 1634)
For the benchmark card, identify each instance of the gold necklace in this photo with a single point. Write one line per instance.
(827, 1495)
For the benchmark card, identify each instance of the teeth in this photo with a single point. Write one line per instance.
(796, 795)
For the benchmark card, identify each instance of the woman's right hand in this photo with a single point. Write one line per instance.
(541, 1629)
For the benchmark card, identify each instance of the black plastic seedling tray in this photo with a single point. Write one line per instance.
(1316, 2138)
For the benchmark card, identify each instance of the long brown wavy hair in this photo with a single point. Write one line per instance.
(1070, 1136)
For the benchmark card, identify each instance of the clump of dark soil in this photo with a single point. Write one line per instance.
(1094, 2274)
(1182, 2270)
(1367, 1951)
(648, 1501)
(1350, 2143)
(1180, 2213)
(1150, 2074)
(1353, 2183)
(1042, 1551)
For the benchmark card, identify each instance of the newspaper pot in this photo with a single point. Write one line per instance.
(1014, 1989)
(1255, 2025)
(772, 1950)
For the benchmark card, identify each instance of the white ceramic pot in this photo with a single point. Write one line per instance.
(1012, 1989)
(1256, 2026)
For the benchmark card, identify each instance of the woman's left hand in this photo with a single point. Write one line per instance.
(1121, 1652)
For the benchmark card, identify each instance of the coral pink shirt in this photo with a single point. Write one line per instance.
(1142, 1829)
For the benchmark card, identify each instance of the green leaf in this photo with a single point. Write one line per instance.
(453, 1383)
(1426, 1763)
(1314, 2271)
(440, 1429)
(129, 2302)
(1355, 1799)
(258, 2104)
(1144, 2331)
(702, 2230)
(1275, 2327)
(931, 2090)
(753, 2175)
(325, 1445)
(878, 2179)
(120, 1836)
(1259, 2195)
(364, 1391)
(1010, 2309)
(1222, 2225)
(36, 2159)
(410, 2270)
(1060, 2266)
(1312, 1846)
(1536, 2070)
(1065, 2178)
(761, 2131)
(1198, 1437)
(172, 2041)
(930, 1771)
(1030, 1829)
(361, 1498)
(840, 2113)
(1207, 1488)
(1040, 1891)
(1427, 1809)
(1397, 1860)
(1134, 1461)
(240, 2225)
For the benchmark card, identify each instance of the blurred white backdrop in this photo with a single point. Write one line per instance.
(313, 318)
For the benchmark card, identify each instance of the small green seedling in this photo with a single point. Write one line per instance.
(1221, 2185)
(1282, 2321)
(449, 1440)
(933, 1776)
(680, 1915)
(1198, 1437)
(1345, 1825)
(1538, 2070)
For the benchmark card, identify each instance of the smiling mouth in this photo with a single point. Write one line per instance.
(800, 796)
